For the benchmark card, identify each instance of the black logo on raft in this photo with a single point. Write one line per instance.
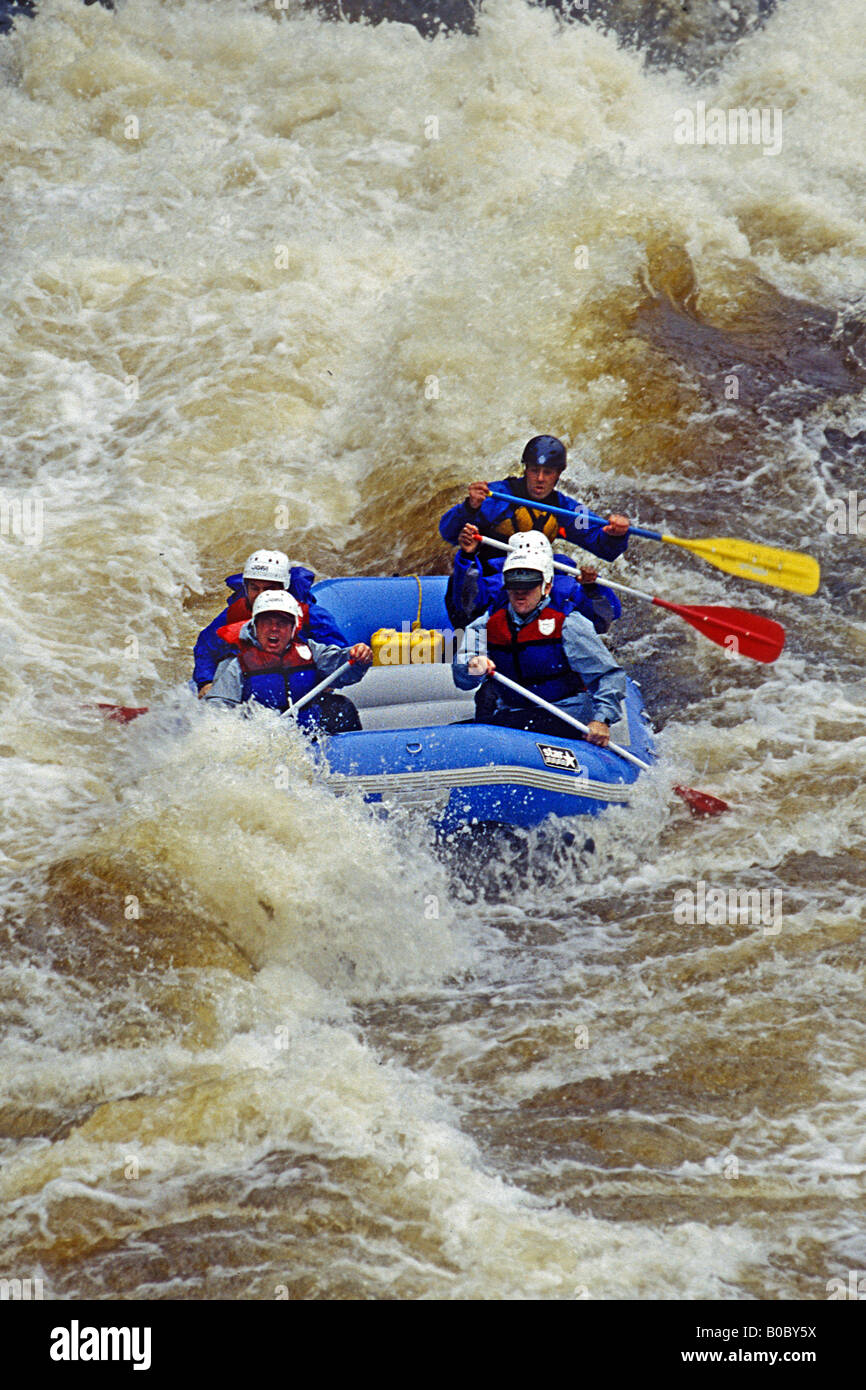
(562, 758)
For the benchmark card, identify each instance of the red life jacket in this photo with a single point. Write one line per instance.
(231, 632)
(253, 660)
(276, 681)
(532, 655)
(239, 610)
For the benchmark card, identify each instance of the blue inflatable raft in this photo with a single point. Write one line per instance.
(419, 749)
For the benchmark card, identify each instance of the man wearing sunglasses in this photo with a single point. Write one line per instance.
(555, 654)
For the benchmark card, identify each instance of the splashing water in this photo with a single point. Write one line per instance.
(270, 280)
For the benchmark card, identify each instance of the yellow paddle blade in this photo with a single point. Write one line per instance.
(784, 569)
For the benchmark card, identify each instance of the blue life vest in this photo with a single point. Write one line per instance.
(532, 655)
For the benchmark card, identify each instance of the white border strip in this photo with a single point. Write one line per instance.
(446, 779)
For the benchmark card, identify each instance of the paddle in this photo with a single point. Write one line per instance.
(784, 569)
(748, 634)
(121, 714)
(317, 689)
(567, 718)
(700, 803)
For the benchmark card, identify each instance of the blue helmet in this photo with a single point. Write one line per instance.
(546, 451)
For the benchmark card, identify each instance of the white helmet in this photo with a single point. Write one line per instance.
(530, 552)
(278, 601)
(268, 564)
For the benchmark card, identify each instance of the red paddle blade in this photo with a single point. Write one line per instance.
(744, 634)
(121, 714)
(702, 803)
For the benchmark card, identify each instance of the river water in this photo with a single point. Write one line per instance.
(273, 280)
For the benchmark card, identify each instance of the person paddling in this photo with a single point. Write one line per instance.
(473, 588)
(264, 570)
(544, 460)
(276, 664)
(555, 654)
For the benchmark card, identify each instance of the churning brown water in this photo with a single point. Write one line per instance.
(270, 280)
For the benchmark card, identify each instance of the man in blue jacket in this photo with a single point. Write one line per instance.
(544, 459)
(265, 569)
(473, 588)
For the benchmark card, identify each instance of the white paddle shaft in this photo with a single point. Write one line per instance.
(567, 569)
(568, 719)
(317, 690)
